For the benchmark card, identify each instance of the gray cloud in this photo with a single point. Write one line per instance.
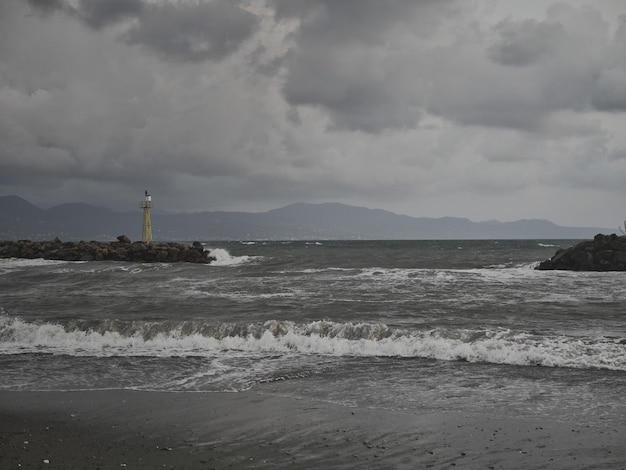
(47, 6)
(100, 13)
(525, 43)
(365, 22)
(373, 70)
(192, 32)
(349, 59)
(178, 31)
(429, 108)
(359, 96)
(609, 92)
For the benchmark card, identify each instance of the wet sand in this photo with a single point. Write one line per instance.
(132, 429)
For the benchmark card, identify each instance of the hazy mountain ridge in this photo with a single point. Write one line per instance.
(20, 219)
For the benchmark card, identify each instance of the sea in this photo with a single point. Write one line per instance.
(421, 326)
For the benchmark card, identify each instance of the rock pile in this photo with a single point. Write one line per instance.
(603, 253)
(121, 250)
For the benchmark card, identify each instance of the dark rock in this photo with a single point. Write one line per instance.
(620, 257)
(581, 257)
(161, 256)
(603, 253)
(121, 250)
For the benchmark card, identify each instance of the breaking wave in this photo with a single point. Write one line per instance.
(8, 265)
(106, 338)
(224, 258)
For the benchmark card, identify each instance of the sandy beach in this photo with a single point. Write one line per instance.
(132, 429)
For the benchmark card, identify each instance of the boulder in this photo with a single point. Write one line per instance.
(121, 250)
(603, 253)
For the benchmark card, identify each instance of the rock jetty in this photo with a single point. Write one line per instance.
(121, 250)
(603, 253)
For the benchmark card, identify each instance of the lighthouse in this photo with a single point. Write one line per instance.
(146, 231)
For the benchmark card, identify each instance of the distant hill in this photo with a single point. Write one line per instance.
(20, 219)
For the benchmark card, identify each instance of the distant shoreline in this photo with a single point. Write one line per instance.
(299, 221)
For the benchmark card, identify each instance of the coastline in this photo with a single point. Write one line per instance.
(189, 430)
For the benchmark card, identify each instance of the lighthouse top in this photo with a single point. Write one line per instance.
(147, 202)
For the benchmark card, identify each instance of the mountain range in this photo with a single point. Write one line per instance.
(19, 219)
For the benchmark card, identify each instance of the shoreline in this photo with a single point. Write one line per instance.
(189, 430)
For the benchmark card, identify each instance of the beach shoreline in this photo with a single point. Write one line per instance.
(188, 430)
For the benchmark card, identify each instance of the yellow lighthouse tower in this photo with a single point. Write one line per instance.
(146, 232)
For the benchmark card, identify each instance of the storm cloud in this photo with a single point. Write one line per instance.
(182, 31)
(432, 107)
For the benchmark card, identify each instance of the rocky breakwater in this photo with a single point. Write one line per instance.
(603, 253)
(121, 250)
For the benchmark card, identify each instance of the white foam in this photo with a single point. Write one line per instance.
(107, 267)
(501, 275)
(498, 346)
(23, 262)
(224, 258)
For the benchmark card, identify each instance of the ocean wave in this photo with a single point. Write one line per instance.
(105, 338)
(10, 264)
(224, 258)
(493, 274)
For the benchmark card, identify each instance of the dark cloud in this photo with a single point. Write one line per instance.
(100, 13)
(536, 69)
(367, 22)
(349, 59)
(430, 107)
(192, 32)
(525, 43)
(375, 66)
(263, 62)
(609, 92)
(46, 6)
(178, 31)
(620, 32)
(359, 96)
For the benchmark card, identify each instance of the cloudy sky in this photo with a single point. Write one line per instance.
(486, 109)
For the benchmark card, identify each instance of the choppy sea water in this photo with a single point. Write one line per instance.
(406, 325)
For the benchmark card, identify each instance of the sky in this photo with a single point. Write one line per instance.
(484, 109)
